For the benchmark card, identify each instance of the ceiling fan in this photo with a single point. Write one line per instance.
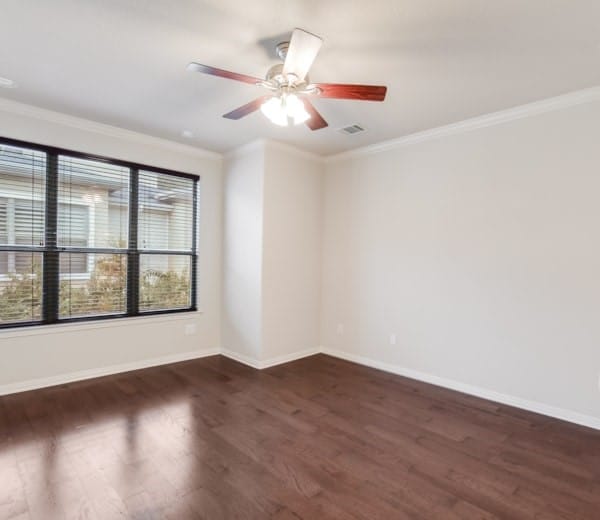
(287, 102)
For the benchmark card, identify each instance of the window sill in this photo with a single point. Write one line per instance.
(62, 328)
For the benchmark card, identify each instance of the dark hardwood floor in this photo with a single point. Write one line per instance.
(315, 439)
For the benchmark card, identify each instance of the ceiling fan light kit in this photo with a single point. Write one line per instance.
(285, 110)
(289, 86)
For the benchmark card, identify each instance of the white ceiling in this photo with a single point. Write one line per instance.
(122, 62)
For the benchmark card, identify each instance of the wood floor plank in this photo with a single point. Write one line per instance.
(318, 438)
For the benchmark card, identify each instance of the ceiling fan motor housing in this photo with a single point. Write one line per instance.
(278, 79)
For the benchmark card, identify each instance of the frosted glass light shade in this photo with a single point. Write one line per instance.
(285, 110)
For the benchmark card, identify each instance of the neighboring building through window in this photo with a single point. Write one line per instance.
(82, 238)
(22, 223)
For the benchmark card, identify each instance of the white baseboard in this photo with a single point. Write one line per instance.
(241, 358)
(271, 362)
(518, 402)
(525, 404)
(80, 375)
(286, 358)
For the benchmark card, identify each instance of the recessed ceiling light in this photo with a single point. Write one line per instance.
(7, 83)
(187, 133)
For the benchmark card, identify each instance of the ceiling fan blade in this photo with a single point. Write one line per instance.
(358, 92)
(301, 53)
(316, 121)
(213, 71)
(246, 109)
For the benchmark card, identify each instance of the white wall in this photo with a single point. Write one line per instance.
(63, 351)
(242, 252)
(272, 256)
(292, 252)
(480, 251)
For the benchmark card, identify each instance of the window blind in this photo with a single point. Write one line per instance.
(75, 218)
(22, 196)
(3, 237)
(165, 239)
(85, 189)
(89, 238)
(28, 222)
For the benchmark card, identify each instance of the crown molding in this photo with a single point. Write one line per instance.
(42, 114)
(494, 118)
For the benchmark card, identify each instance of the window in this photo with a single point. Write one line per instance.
(89, 238)
(165, 240)
(85, 189)
(22, 192)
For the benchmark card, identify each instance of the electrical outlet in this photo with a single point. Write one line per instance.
(190, 329)
(392, 339)
(340, 328)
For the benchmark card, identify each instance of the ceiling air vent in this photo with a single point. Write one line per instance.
(352, 129)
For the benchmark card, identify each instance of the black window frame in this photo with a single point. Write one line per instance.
(50, 250)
